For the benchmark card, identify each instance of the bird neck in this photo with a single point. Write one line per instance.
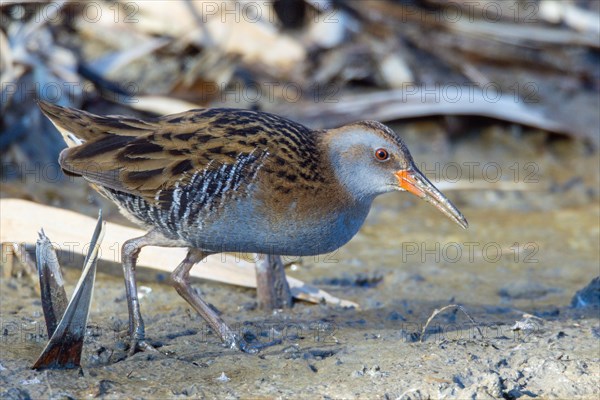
(345, 166)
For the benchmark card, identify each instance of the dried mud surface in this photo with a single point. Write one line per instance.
(405, 262)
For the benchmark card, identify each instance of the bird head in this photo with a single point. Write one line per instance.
(369, 159)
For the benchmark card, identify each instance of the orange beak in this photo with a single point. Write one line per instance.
(413, 181)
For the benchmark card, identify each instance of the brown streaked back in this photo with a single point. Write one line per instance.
(144, 158)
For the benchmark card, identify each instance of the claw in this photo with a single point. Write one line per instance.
(141, 345)
(249, 348)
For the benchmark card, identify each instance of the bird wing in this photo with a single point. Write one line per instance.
(217, 149)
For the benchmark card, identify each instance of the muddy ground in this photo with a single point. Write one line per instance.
(529, 248)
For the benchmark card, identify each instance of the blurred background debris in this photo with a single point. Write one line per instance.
(291, 56)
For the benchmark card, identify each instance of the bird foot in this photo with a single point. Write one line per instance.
(136, 345)
(236, 341)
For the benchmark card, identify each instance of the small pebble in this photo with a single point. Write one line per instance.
(223, 378)
(33, 381)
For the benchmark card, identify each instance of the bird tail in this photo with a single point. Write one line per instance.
(87, 133)
(78, 126)
(69, 122)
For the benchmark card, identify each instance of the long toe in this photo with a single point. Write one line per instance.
(136, 345)
(254, 347)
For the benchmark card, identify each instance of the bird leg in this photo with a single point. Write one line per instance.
(180, 276)
(129, 254)
(181, 282)
(272, 288)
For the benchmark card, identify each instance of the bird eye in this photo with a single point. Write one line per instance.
(382, 154)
